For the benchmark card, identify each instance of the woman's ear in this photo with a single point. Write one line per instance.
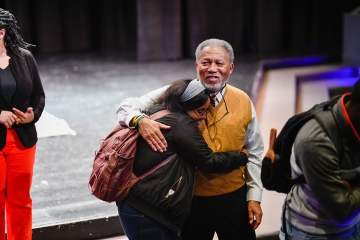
(2, 33)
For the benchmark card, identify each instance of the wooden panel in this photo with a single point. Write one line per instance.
(351, 42)
(268, 26)
(76, 24)
(48, 26)
(159, 30)
(225, 21)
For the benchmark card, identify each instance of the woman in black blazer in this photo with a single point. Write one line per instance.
(22, 101)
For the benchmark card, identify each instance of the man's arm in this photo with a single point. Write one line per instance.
(149, 129)
(130, 107)
(255, 145)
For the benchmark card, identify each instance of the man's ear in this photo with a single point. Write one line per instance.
(231, 67)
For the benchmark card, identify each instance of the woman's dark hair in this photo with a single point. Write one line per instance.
(170, 98)
(12, 38)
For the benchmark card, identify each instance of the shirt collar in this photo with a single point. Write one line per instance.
(219, 95)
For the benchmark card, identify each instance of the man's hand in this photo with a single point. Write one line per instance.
(348, 186)
(22, 117)
(271, 153)
(255, 213)
(150, 131)
(7, 118)
(245, 151)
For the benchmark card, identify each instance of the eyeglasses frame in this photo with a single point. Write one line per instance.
(227, 112)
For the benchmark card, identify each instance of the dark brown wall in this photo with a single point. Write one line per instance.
(171, 29)
(159, 30)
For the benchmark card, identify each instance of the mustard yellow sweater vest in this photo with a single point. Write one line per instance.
(226, 135)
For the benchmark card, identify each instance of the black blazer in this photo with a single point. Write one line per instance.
(29, 93)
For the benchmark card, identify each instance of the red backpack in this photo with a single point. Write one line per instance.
(112, 174)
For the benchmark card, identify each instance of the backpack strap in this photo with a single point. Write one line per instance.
(159, 114)
(329, 124)
(156, 116)
(150, 171)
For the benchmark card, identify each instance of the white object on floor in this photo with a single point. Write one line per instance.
(49, 126)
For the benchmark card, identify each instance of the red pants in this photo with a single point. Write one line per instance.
(16, 171)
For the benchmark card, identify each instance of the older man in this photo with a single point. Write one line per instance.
(228, 204)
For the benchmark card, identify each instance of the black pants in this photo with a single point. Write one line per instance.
(226, 215)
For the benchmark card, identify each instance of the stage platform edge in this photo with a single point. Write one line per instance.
(99, 228)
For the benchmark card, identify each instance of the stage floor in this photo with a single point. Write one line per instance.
(84, 91)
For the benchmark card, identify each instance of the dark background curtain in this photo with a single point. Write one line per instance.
(171, 29)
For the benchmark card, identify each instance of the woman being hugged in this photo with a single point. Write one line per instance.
(22, 100)
(159, 204)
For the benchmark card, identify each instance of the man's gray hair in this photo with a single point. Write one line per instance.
(218, 43)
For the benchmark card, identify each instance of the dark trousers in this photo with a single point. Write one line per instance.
(227, 215)
(137, 226)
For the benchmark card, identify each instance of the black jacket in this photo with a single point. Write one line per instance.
(166, 194)
(29, 93)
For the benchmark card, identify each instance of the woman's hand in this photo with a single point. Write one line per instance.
(7, 118)
(22, 117)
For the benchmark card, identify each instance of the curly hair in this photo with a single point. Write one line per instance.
(217, 43)
(170, 98)
(13, 41)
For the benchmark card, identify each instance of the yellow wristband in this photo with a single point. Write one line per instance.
(137, 120)
(133, 120)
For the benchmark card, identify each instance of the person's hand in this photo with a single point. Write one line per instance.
(271, 153)
(347, 185)
(7, 118)
(245, 151)
(22, 117)
(255, 213)
(150, 131)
